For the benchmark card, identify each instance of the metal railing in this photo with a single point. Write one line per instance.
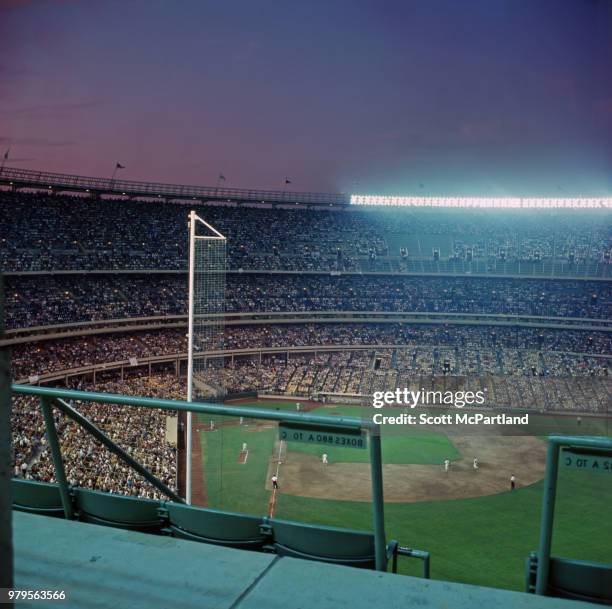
(72, 182)
(54, 397)
(412, 553)
(580, 444)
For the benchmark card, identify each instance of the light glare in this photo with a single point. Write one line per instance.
(489, 202)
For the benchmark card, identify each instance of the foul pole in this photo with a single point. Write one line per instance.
(191, 224)
(213, 292)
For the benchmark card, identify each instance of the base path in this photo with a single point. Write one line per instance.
(274, 469)
(499, 457)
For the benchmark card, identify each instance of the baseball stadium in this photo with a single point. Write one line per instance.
(287, 344)
(306, 305)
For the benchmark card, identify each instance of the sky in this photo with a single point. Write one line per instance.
(411, 97)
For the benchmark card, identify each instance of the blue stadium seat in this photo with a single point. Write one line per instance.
(118, 511)
(212, 526)
(579, 580)
(326, 544)
(37, 497)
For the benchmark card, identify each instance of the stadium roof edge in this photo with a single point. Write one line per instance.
(45, 180)
(63, 182)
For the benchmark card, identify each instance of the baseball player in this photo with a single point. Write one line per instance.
(446, 465)
(275, 482)
(324, 459)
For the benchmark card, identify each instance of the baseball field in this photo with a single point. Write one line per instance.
(477, 530)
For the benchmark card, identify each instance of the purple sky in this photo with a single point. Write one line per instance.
(472, 97)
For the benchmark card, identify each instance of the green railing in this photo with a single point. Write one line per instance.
(54, 397)
(578, 444)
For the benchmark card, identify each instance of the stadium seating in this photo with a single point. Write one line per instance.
(213, 526)
(107, 234)
(53, 299)
(575, 579)
(37, 497)
(285, 538)
(328, 261)
(326, 544)
(118, 511)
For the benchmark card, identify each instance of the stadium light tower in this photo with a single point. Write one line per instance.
(206, 322)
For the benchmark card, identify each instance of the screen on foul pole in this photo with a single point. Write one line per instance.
(206, 323)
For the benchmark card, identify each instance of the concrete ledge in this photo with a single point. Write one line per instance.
(101, 567)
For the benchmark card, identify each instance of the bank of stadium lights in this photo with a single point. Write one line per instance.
(489, 202)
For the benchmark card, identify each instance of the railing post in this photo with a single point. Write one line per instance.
(380, 544)
(426, 566)
(6, 526)
(56, 455)
(548, 513)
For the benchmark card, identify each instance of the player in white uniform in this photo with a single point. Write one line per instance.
(446, 465)
(324, 459)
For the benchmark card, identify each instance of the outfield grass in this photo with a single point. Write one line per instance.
(545, 425)
(481, 541)
(231, 485)
(485, 540)
(418, 446)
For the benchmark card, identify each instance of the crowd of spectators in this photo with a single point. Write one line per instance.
(140, 431)
(543, 368)
(477, 350)
(510, 378)
(43, 300)
(51, 232)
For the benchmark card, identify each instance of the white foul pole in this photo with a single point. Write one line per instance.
(192, 223)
